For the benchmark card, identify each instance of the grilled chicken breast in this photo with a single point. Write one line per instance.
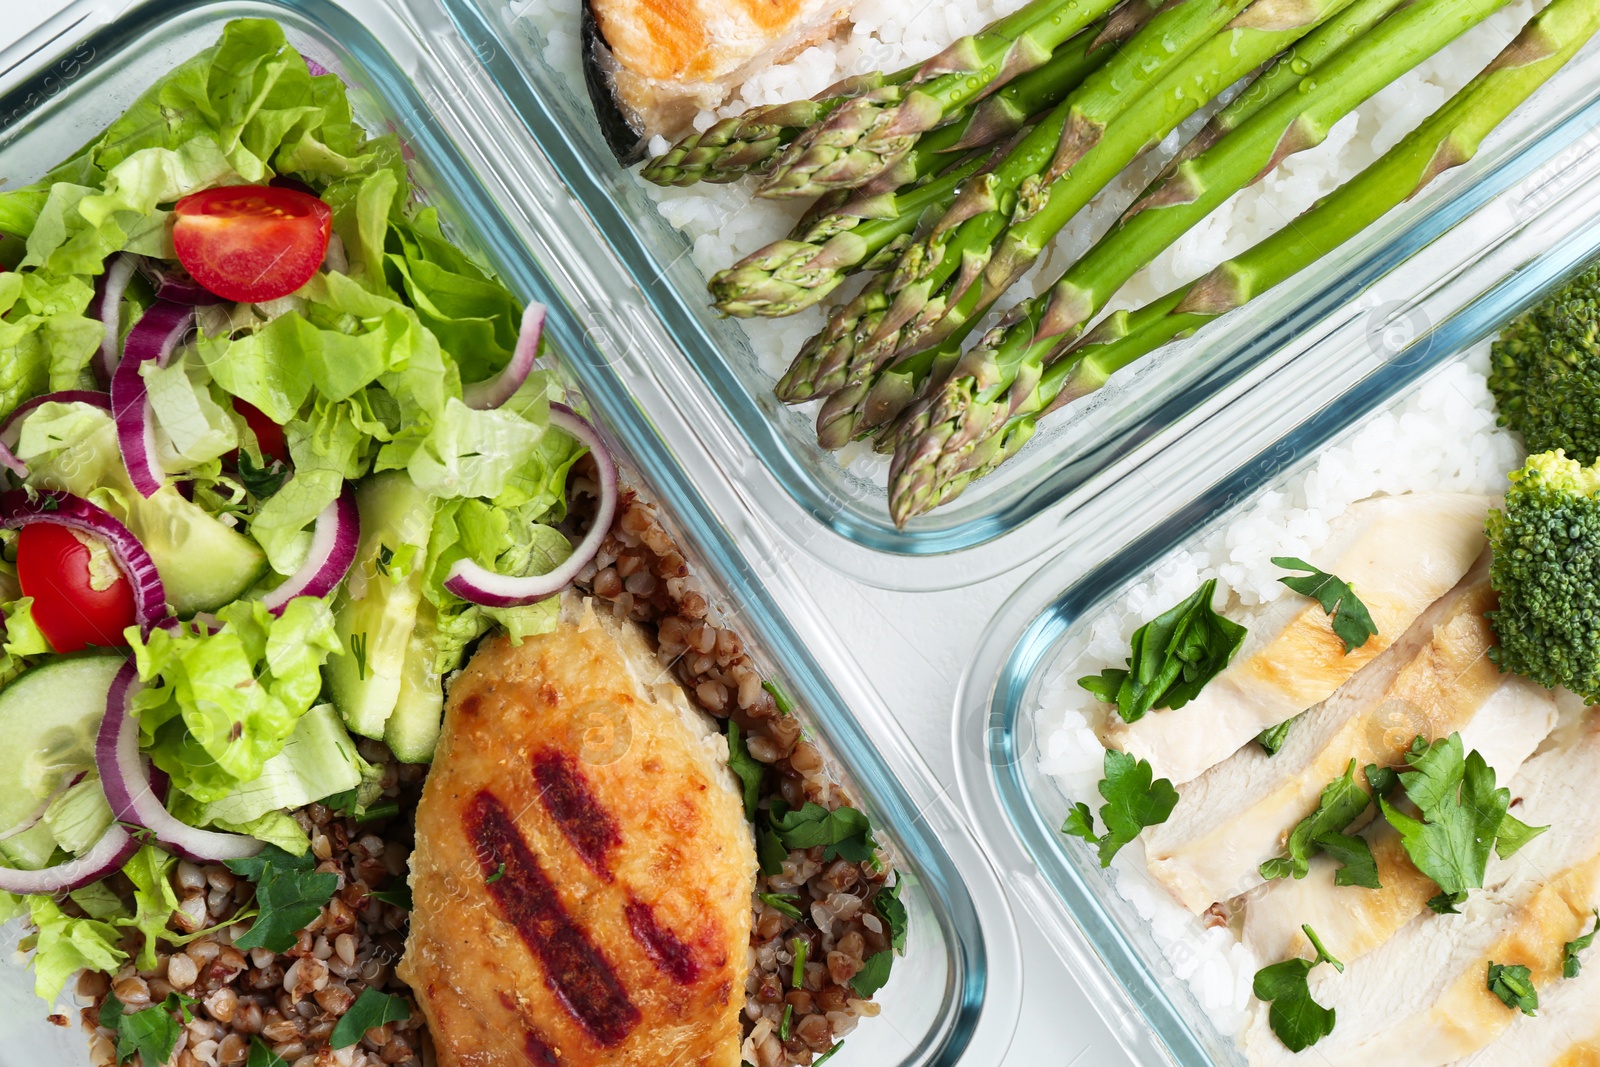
(1505, 730)
(583, 870)
(652, 65)
(1565, 1033)
(1422, 999)
(1240, 813)
(1399, 553)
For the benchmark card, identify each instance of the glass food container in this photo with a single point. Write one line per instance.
(955, 994)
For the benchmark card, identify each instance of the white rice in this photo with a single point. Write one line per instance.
(1441, 437)
(725, 223)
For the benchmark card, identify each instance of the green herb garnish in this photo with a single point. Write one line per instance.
(1299, 1021)
(371, 1008)
(751, 771)
(1514, 986)
(1173, 657)
(1273, 738)
(1343, 801)
(1352, 623)
(151, 1032)
(499, 873)
(874, 973)
(785, 707)
(262, 1056)
(843, 832)
(289, 894)
(1570, 963)
(1134, 798)
(261, 482)
(783, 903)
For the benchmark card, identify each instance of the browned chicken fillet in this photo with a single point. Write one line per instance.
(583, 870)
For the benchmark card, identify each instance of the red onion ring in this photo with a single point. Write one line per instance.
(334, 540)
(173, 284)
(479, 585)
(503, 386)
(11, 428)
(114, 848)
(125, 776)
(21, 507)
(33, 818)
(109, 290)
(153, 337)
(9, 460)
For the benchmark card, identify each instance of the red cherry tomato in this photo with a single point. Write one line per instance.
(53, 567)
(269, 435)
(252, 242)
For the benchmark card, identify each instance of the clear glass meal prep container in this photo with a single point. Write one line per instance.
(956, 991)
(1074, 478)
(1550, 227)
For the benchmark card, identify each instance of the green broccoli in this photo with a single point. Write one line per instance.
(1546, 568)
(1545, 370)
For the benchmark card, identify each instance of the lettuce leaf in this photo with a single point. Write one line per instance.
(230, 700)
(318, 760)
(195, 426)
(280, 527)
(46, 341)
(154, 900)
(65, 945)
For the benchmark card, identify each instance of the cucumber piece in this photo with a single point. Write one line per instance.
(203, 564)
(413, 730)
(49, 717)
(376, 612)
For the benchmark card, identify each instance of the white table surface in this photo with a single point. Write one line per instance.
(913, 648)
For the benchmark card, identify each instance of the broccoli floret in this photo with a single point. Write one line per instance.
(1545, 371)
(1546, 568)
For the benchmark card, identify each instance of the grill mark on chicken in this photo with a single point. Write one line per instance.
(535, 1048)
(674, 958)
(584, 822)
(580, 977)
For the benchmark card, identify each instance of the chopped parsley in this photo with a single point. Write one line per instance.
(1343, 801)
(750, 770)
(1172, 658)
(499, 873)
(874, 973)
(770, 851)
(1514, 986)
(841, 833)
(262, 1056)
(1273, 737)
(399, 896)
(1135, 799)
(893, 912)
(1299, 1021)
(289, 894)
(152, 1032)
(371, 1009)
(1352, 623)
(1570, 963)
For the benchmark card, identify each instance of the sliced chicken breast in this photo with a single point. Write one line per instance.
(583, 869)
(1237, 815)
(1505, 730)
(1565, 1033)
(1422, 999)
(1399, 554)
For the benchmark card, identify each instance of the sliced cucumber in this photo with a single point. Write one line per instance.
(203, 564)
(413, 730)
(376, 612)
(49, 717)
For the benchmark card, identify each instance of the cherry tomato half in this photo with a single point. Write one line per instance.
(252, 242)
(269, 435)
(53, 567)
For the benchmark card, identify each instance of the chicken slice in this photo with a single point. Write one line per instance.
(1422, 998)
(583, 868)
(1565, 1033)
(1399, 554)
(1505, 730)
(1240, 813)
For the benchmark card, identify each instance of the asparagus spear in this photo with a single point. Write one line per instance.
(911, 304)
(1043, 208)
(1286, 72)
(925, 477)
(1002, 369)
(793, 274)
(871, 132)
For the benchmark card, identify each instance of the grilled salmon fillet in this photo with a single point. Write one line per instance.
(653, 64)
(583, 870)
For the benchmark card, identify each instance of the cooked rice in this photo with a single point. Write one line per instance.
(1442, 436)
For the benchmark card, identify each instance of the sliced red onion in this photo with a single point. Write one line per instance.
(314, 67)
(44, 805)
(9, 460)
(479, 585)
(125, 775)
(11, 428)
(22, 507)
(114, 848)
(152, 338)
(108, 304)
(172, 283)
(503, 386)
(334, 540)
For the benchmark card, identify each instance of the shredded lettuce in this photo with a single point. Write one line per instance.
(79, 817)
(65, 945)
(230, 700)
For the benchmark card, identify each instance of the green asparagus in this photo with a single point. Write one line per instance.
(926, 476)
(1001, 371)
(864, 230)
(1043, 208)
(872, 131)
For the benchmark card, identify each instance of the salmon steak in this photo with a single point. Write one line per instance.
(583, 871)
